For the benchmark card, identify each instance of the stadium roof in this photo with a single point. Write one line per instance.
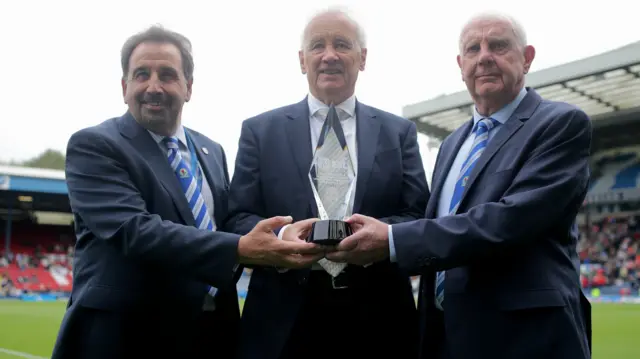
(22, 179)
(32, 189)
(605, 86)
(31, 172)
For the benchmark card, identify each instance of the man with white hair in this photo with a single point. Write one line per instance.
(330, 310)
(497, 249)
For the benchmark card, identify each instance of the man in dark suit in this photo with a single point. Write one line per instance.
(497, 250)
(153, 274)
(326, 311)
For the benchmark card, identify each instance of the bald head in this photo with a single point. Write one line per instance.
(495, 17)
(333, 14)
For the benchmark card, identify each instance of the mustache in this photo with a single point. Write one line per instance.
(332, 68)
(154, 97)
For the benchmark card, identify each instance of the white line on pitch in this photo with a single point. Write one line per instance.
(20, 354)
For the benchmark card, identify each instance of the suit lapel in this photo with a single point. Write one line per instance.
(512, 125)
(298, 132)
(441, 173)
(367, 130)
(142, 141)
(213, 178)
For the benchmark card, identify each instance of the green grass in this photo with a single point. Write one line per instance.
(615, 331)
(31, 327)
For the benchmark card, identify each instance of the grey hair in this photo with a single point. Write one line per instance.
(361, 37)
(159, 34)
(518, 29)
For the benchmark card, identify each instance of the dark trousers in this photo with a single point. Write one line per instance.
(101, 334)
(215, 336)
(440, 348)
(349, 322)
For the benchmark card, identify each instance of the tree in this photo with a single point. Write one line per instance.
(51, 159)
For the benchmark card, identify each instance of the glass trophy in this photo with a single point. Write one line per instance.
(332, 178)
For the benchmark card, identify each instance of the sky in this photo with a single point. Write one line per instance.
(61, 59)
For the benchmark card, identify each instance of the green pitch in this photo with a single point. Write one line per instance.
(28, 330)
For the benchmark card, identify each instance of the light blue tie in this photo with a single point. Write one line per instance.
(191, 189)
(483, 127)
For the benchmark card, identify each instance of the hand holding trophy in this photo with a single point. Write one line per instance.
(332, 177)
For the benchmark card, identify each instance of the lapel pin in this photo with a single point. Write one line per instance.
(205, 150)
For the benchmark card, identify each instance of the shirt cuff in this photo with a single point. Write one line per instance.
(282, 270)
(392, 247)
(282, 231)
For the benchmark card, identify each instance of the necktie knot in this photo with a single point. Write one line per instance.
(485, 125)
(324, 113)
(171, 142)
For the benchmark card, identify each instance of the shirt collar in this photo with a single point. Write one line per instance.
(180, 134)
(504, 113)
(348, 106)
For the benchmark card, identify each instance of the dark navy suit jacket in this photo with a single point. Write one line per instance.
(512, 285)
(271, 178)
(141, 268)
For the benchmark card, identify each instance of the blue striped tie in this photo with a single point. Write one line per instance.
(191, 189)
(483, 127)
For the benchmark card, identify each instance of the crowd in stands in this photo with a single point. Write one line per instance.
(29, 269)
(609, 254)
(36, 262)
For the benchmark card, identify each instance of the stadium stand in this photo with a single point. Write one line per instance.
(610, 257)
(38, 239)
(39, 258)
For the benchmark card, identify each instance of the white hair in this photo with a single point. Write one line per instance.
(518, 29)
(336, 10)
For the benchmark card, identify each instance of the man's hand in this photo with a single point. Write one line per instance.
(297, 232)
(368, 244)
(262, 247)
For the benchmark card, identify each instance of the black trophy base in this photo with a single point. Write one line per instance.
(329, 232)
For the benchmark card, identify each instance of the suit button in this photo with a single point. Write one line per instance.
(302, 280)
(426, 261)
